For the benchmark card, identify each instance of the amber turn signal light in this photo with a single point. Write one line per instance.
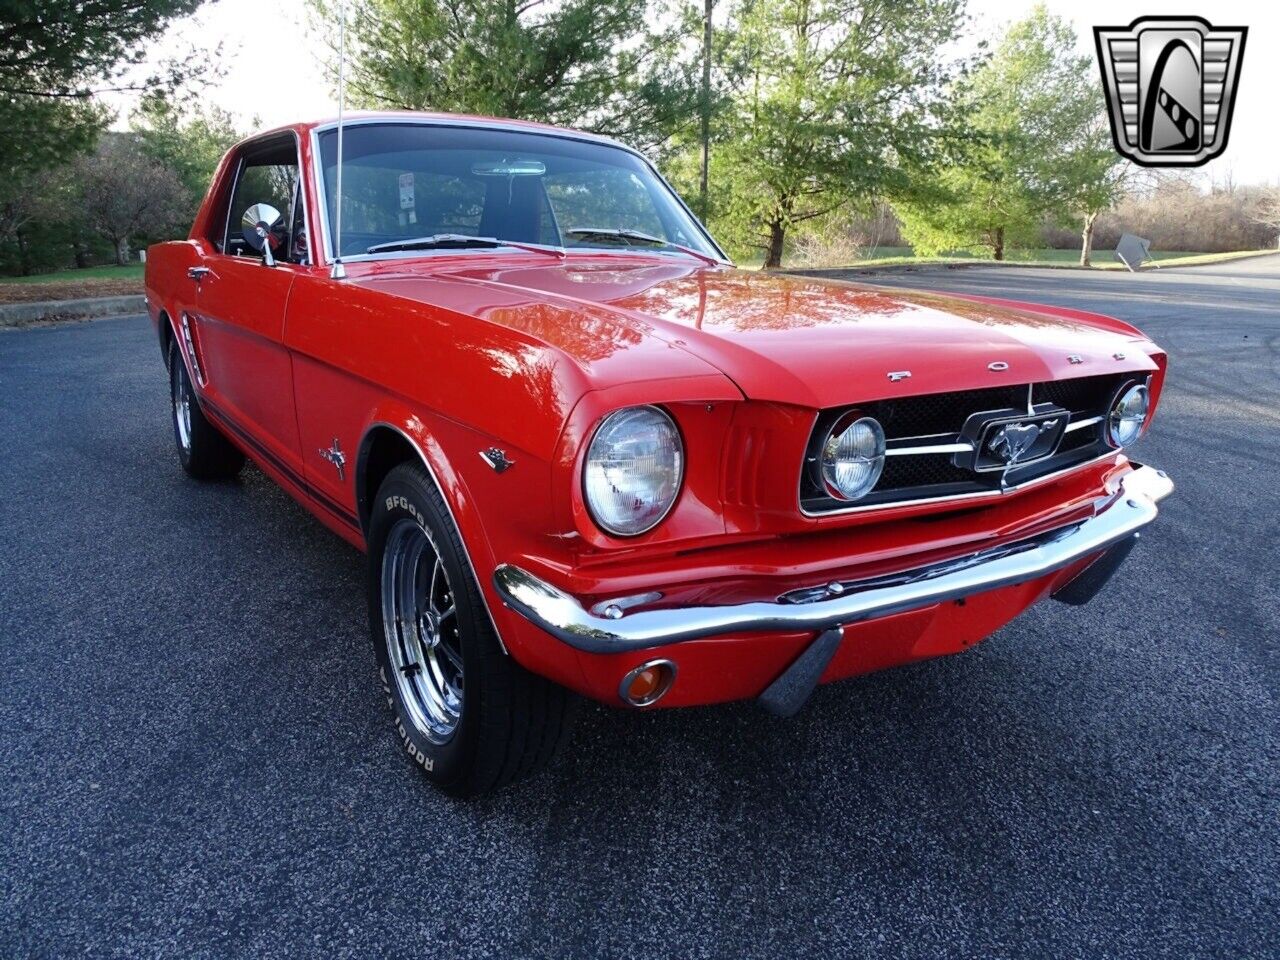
(647, 683)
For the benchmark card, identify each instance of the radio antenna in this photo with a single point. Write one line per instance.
(339, 272)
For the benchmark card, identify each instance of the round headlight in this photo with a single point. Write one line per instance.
(852, 457)
(634, 467)
(1127, 416)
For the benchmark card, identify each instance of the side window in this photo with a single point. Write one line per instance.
(269, 175)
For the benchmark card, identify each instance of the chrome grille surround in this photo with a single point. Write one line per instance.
(927, 457)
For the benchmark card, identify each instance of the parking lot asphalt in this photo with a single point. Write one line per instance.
(196, 761)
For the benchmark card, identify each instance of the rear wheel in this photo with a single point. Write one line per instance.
(202, 449)
(469, 715)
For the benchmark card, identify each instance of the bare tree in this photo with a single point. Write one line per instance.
(125, 194)
(1267, 211)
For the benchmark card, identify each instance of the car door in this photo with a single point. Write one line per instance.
(241, 307)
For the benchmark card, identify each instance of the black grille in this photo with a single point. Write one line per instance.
(938, 419)
(1079, 439)
(1081, 394)
(922, 471)
(941, 412)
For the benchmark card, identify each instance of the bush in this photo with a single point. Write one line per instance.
(1177, 215)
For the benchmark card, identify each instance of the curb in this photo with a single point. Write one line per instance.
(24, 314)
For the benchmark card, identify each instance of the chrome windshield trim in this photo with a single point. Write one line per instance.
(1128, 507)
(506, 251)
(475, 124)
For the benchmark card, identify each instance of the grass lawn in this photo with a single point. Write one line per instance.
(73, 284)
(132, 272)
(1044, 255)
(1102, 259)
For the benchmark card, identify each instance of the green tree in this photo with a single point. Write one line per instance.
(126, 196)
(56, 55)
(1037, 148)
(1095, 178)
(53, 48)
(593, 64)
(54, 58)
(833, 101)
(187, 139)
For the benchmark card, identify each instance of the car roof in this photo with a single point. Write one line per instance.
(425, 117)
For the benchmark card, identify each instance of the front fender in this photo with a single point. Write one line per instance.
(517, 503)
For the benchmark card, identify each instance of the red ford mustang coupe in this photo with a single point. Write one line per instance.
(585, 454)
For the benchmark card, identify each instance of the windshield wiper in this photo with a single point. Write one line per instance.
(461, 241)
(639, 237)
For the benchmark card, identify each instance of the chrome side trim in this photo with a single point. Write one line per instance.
(1129, 507)
(466, 551)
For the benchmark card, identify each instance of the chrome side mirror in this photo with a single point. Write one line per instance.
(258, 225)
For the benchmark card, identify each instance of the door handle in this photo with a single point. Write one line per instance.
(199, 273)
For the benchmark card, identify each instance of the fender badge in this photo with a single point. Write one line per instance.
(897, 375)
(497, 459)
(335, 456)
(1075, 358)
(996, 366)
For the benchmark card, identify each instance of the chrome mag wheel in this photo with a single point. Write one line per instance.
(182, 408)
(420, 621)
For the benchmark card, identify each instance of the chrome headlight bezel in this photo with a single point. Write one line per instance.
(657, 418)
(1119, 423)
(828, 463)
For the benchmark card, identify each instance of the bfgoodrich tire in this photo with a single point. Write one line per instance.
(467, 714)
(202, 449)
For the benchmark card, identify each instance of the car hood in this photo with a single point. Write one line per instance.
(810, 341)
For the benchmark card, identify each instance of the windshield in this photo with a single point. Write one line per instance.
(418, 182)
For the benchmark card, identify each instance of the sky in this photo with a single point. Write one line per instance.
(274, 36)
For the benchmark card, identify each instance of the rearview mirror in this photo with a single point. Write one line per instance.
(509, 168)
(258, 226)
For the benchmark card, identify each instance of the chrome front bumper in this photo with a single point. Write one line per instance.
(1120, 515)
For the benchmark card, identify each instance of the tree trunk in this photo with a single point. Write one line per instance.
(703, 200)
(82, 254)
(999, 243)
(24, 253)
(122, 252)
(1086, 238)
(777, 234)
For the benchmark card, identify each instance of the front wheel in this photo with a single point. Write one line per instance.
(471, 717)
(202, 449)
